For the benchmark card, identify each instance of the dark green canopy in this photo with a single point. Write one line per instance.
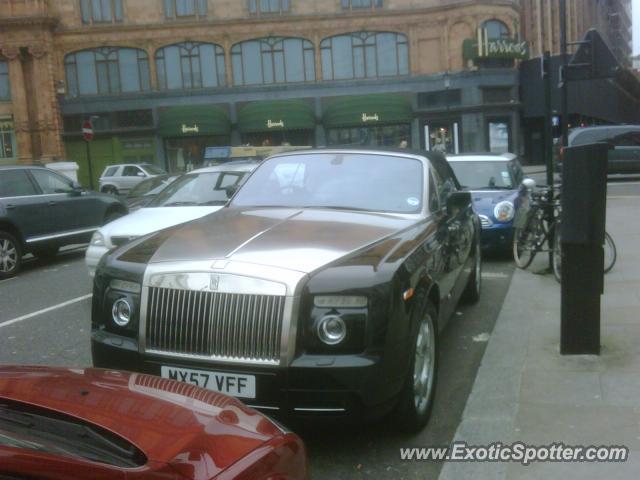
(276, 115)
(367, 110)
(192, 121)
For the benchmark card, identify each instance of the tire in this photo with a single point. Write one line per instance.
(610, 253)
(523, 251)
(46, 252)
(109, 189)
(10, 255)
(416, 399)
(111, 216)
(557, 255)
(471, 293)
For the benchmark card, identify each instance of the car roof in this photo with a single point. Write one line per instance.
(482, 157)
(599, 132)
(241, 166)
(24, 167)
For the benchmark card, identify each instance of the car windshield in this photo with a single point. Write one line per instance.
(354, 181)
(153, 170)
(207, 188)
(148, 185)
(488, 175)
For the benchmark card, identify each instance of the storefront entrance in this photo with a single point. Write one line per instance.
(383, 136)
(186, 154)
(442, 137)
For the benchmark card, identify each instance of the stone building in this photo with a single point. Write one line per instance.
(170, 81)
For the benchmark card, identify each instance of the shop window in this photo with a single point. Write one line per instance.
(440, 99)
(499, 135)
(261, 7)
(364, 55)
(358, 4)
(134, 119)
(273, 60)
(496, 29)
(107, 70)
(7, 140)
(101, 11)
(191, 65)
(5, 90)
(176, 9)
(496, 95)
(383, 135)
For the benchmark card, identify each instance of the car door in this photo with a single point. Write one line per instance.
(22, 204)
(131, 176)
(71, 210)
(625, 156)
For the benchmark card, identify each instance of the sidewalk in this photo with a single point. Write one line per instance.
(526, 391)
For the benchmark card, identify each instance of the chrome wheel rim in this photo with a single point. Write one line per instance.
(8, 256)
(424, 364)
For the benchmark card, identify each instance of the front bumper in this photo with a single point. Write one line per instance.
(348, 387)
(497, 237)
(92, 257)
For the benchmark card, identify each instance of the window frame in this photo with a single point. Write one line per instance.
(4, 78)
(10, 134)
(271, 47)
(73, 77)
(115, 6)
(30, 180)
(505, 32)
(254, 7)
(348, 5)
(56, 176)
(170, 8)
(326, 45)
(160, 59)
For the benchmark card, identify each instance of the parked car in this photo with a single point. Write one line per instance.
(145, 191)
(318, 290)
(493, 181)
(42, 210)
(120, 179)
(194, 195)
(75, 424)
(624, 157)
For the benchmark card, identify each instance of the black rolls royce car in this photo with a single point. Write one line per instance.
(319, 289)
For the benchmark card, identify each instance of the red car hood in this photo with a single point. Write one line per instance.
(197, 431)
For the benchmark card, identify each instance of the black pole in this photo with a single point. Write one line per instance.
(564, 101)
(548, 143)
(90, 166)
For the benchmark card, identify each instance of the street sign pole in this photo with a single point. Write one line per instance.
(87, 133)
(564, 101)
(548, 144)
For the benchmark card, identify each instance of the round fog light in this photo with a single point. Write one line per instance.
(121, 312)
(332, 329)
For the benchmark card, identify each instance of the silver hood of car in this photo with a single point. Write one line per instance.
(302, 240)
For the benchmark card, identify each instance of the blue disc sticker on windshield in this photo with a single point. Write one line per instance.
(413, 201)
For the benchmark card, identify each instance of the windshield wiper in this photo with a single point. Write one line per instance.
(214, 202)
(178, 204)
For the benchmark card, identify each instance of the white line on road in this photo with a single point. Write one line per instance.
(45, 310)
(494, 275)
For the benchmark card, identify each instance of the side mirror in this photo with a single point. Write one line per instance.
(458, 201)
(529, 183)
(140, 174)
(231, 190)
(76, 188)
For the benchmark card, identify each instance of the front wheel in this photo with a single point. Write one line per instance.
(10, 255)
(557, 255)
(524, 250)
(416, 400)
(610, 253)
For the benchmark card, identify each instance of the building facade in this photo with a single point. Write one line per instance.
(612, 19)
(170, 81)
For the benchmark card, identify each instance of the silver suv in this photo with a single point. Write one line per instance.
(119, 179)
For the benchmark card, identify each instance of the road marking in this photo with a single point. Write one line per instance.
(45, 310)
(622, 196)
(494, 275)
(621, 184)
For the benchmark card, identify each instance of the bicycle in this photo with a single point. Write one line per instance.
(610, 255)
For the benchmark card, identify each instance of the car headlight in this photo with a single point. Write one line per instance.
(97, 239)
(504, 211)
(331, 329)
(121, 312)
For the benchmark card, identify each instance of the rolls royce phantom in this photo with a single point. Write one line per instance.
(318, 290)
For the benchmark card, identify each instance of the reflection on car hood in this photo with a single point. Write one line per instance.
(148, 220)
(294, 239)
(484, 201)
(169, 421)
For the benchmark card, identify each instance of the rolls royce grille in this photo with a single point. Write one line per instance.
(214, 325)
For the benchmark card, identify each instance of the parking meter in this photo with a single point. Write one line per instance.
(584, 201)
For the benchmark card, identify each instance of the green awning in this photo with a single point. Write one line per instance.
(367, 110)
(276, 115)
(193, 121)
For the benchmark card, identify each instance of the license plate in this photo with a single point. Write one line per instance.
(241, 386)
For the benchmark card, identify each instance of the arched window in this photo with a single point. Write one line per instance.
(364, 55)
(496, 29)
(191, 65)
(107, 70)
(273, 60)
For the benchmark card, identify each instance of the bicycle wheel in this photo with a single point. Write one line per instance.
(557, 254)
(610, 253)
(524, 245)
